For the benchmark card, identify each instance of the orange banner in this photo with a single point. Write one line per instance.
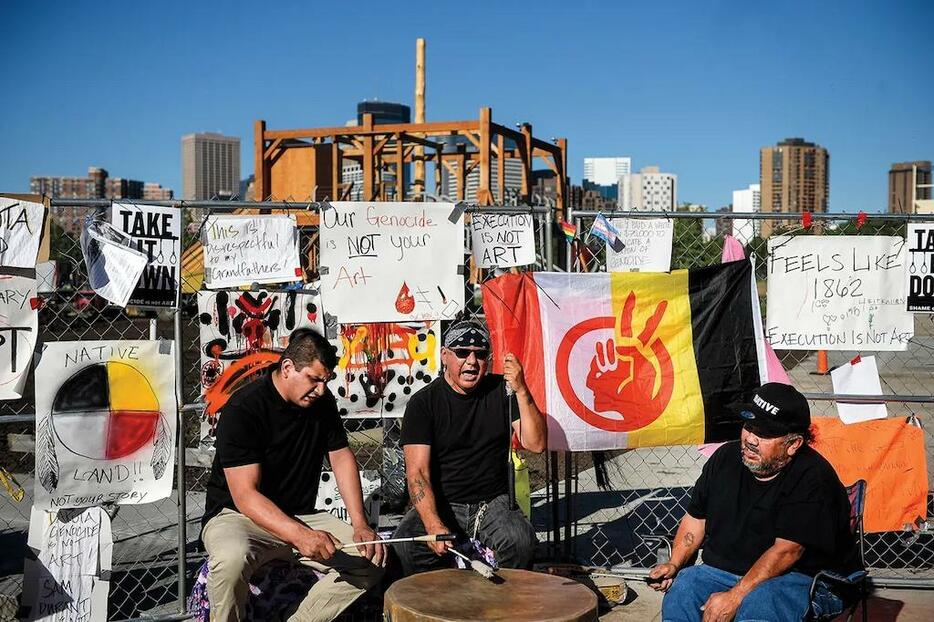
(887, 453)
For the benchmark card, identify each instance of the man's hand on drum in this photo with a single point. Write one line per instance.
(440, 548)
(317, 545)
(374, 552)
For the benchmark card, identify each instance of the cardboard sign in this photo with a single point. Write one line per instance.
(391, 262)
(647, 245)
(156, 232)
(21, 226)
(889, 454)
(837, 292)
(502, 240)
(920, 267)
(106, 418)
(241, 250)
(19, 326)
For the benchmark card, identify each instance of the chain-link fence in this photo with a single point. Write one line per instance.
(633, 523)
(156, 545)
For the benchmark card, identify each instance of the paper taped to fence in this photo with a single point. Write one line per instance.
(241, 250)
(114, 265)
(392, 262)
(920, 271)
(67, 575)
(647, 245)
(837, 292)
(502, 240)
(106, 418)
(889, 454)
(242, 333)
(21, 227)
(329, 496)
(156, 232)
(381, 365)
(19, 326)
(626, 360)
(858, 377)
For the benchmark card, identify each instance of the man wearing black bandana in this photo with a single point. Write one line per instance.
(456, 434)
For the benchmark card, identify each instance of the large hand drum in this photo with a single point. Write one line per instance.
(462, 595)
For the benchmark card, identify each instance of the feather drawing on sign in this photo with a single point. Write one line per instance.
(381, 365)
(106, 423)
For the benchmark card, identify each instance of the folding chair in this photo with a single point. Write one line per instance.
(855, 587)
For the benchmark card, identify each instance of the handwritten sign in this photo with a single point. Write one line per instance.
(67, 576)
(920, 267)
(106, 418)
(21, 226)
(329, 496)
(841, 292)
(241, 250)
(19, 325)
(156, 232)
(887, 453)
(647, 245)
(502, 240)
(391, 262)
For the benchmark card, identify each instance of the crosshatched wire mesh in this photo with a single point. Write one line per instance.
(633, 523)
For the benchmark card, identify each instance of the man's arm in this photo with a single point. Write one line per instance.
(776, 560)
(243, 482)
(687, 542)
(531, 425)
(344, 465)
(418, 477)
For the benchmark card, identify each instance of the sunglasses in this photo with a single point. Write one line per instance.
(464, 353)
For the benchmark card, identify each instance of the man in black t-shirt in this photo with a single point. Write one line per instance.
(773, 513)
(456, 434)
(271, 441)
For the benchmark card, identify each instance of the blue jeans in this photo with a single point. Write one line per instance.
(780, 599)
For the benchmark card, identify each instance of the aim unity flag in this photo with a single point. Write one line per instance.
(625, 359)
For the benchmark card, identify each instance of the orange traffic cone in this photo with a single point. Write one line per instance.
(822, 367)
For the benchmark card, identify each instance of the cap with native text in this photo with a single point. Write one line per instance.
(777, 409)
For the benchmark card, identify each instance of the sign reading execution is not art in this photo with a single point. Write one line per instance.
(105, 423)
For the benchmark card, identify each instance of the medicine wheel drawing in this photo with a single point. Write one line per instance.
(106, 411)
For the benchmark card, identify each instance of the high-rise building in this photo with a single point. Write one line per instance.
(651, 190)
(210, 166)
(909, 182)
(748, 200)
(606, 171)
(724, 226)
(155, 192)
(794, 176)
(119, 188)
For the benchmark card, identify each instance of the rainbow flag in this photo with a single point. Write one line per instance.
(570, 231)
(629, 359)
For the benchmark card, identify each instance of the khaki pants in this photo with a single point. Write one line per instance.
(237, 546)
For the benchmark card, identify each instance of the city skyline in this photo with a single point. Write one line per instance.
(701, 97)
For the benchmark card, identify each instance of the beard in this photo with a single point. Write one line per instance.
(765, 468)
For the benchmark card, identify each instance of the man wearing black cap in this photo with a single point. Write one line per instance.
(773, 513)
(456, 434)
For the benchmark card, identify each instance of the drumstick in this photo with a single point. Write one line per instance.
(439, 537)
(478, 566)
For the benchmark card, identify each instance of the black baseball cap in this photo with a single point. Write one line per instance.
(776, 409)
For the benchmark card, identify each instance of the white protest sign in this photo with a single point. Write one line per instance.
(502, 240)
(647, 245)
(114, 265)
(106, 417)
(46, 277)
(68, 580)
(837, 292)
(329, 496)
(241, 250)
(21, 225)
(19, 325)
(391, 262)
(858, 377)
(920, 271)
(156, 233)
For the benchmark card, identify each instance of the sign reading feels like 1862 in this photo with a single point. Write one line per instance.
(920, 271)
(837, 293)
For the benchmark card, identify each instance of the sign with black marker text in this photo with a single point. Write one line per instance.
(502, 240)
(920, 270)
(242, 250)
(647, 245)
(155, 232)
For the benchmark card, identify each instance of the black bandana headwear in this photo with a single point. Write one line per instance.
(467, 334)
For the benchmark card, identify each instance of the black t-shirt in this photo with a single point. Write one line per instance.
(804, 503)
(469, 437)
(257, 426)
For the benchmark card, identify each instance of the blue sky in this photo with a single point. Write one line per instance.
(696, 88)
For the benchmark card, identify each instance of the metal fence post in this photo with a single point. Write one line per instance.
(180, 450)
